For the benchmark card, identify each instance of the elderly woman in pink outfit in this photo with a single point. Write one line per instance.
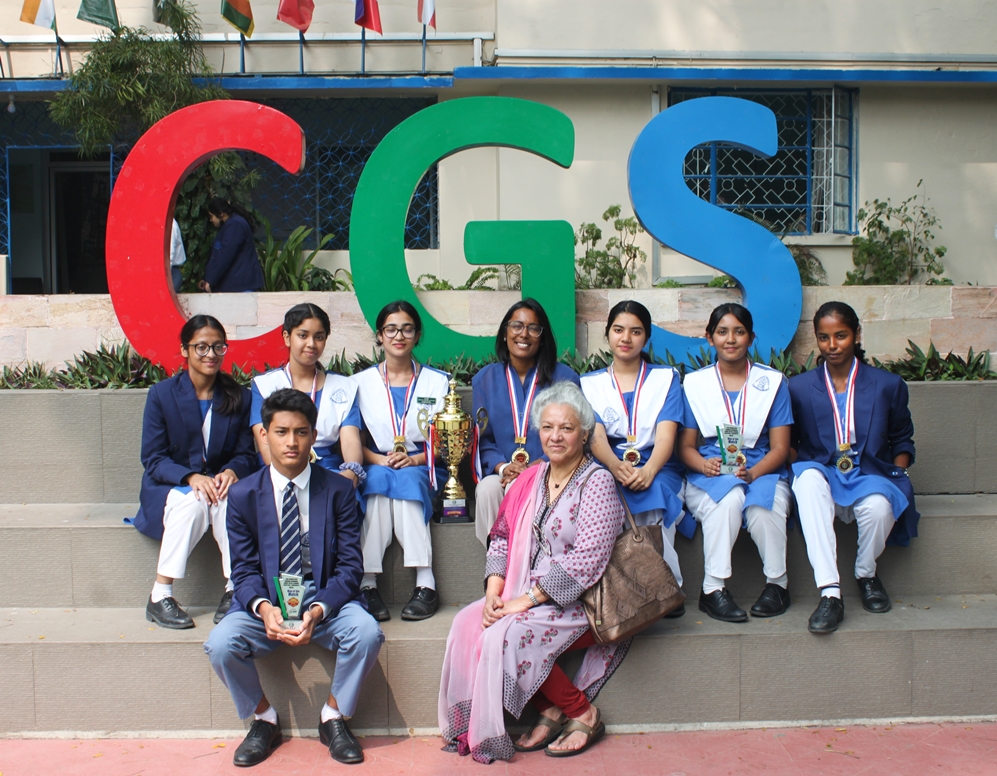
(552, 540)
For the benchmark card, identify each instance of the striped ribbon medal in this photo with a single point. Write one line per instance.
(844, 426)
(631, 455)
(736, 416)
(398, 421)
(521, 420)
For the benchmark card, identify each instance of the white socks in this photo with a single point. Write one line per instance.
(330, 713)
(229, 586)
(270, 715)
(424, 577)
(782, 581)
(712, 584)
(831, 591)
(369, 580)
(160, 591)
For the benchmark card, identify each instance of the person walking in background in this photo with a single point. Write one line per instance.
(234, 265)
(178, 257)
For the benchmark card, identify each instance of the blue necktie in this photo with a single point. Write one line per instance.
(290, 534)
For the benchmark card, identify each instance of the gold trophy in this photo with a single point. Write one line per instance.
(452, 431)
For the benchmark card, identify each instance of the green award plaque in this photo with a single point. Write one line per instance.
(290, 594)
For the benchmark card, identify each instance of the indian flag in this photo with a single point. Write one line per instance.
(40, 12)
(239, 14)
(427, 12)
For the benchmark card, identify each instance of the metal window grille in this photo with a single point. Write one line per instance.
(807, 187)
(340, 135)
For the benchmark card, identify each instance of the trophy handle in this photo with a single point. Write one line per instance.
(482, 419)
(423, 420)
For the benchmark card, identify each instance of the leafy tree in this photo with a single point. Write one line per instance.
(897, 247)
(131, 79)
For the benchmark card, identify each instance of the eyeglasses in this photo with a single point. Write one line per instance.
(202, 349)
(408, 332)
(518, 327)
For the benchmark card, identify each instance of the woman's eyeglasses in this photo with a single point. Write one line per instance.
(202, 349)
(518, 327)
(408, 332)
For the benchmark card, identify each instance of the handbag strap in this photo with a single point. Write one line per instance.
(619, 492)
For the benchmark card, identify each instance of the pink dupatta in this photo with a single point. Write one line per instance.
(472, 665)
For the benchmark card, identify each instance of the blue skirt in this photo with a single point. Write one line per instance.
(408, 484)
(662, 494)
(849, 487)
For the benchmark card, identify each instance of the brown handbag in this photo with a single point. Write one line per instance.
(637, 588)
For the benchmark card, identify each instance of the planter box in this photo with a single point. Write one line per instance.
(83, 446)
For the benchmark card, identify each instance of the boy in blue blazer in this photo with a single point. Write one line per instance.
(294, 518)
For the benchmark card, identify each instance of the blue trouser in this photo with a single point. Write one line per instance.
(240, 638)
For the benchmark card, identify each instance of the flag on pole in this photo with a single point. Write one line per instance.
(40, 12)
(102, 12)
(297, 13)
(239, 14)
(427, 12)
(368, 15)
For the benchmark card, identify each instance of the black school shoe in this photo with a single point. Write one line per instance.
(720, 605)
(375, 604)
(773, 601)
(168, 614)
(344, 748)
(258, 744)
(875, 599)
(223, 606)
(422, 605)
(827, 616)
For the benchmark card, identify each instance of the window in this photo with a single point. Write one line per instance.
(808, 186)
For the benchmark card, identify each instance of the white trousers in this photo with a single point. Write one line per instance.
(722, 523)
(185, 521)
(817, 511)
(656, 517)
(410, 526)
(488, 495)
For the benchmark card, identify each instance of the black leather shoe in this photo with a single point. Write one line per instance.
(258, 744)
(875, 599)
(422, 605)
(773, 601)
(223, 606)
(674, 614)
(721, 606)
(375, 604)
(343, 747)
(827, 616)
(168, 614)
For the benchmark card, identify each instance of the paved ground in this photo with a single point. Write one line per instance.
(903, 750)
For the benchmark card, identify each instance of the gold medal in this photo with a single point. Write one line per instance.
(399, 445)
(741, 459)
(632, 456)
(845, 464)
(519, 455)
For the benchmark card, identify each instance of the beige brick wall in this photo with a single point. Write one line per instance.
(52, 329)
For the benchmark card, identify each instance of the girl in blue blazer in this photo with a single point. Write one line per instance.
(196, 442)
(854, 441)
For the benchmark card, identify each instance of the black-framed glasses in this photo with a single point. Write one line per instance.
(518, 327)
(202, 348)
(408, 332)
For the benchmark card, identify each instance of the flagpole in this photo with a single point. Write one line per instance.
(363, 50)
(424, 49)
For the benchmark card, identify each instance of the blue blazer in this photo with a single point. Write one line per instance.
(172, 445)
(883, 430)
(234, 264)
(334, 531)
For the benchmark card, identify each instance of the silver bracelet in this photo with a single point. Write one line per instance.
(532, 597)
(354, 467)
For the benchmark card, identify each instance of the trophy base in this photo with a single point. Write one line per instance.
(455, 511)
(293, 625)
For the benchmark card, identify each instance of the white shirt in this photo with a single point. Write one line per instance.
(301, 493)
(177, 254)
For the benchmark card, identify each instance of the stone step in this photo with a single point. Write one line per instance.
(83, 555)
(108, 671)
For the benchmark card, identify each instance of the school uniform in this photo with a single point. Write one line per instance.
(875, 493)
(494, 388)
(336, 403)
(182, 436)
(659, 399)
(724, 504)
(263, 511)
(398, 500)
